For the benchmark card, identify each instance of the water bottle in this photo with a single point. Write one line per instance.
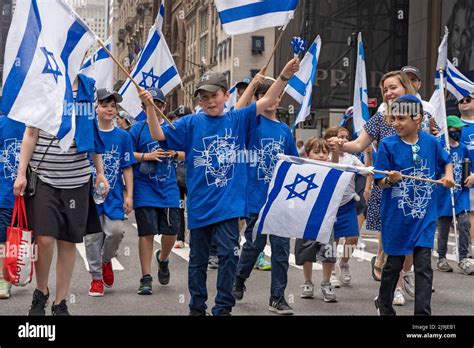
(99, 194)
(466, 170)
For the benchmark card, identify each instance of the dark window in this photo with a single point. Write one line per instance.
(258, 44)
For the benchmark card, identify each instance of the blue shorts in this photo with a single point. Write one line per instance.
(5, 221)
(346, 221)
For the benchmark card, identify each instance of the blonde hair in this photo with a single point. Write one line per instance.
(406, 84)
(316, 145)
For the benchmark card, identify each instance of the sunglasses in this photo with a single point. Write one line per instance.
(465, 100)
(415, 148)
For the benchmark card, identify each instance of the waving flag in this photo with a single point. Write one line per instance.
(161, 17)
(246, 16)
(458, 84)
(100, 67)
(361, 97)
(155, 68)
(300, 86)
(229, 106)
(45, 47)
(303, 198)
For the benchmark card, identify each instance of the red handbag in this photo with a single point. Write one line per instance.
(18, 264)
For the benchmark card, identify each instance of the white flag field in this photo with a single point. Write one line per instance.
(100, 67)
(304, 197)
(246, 16)
(45, 47)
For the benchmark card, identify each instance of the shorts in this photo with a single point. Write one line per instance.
(346, 224)
(66, 215)
(152, 220)
(312, 251)
(361, 204)
(5, 221)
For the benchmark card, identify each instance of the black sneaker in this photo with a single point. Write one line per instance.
(239, 288)
(145, 285)
(278, 305)
(163, 270)
(38, 304)
(60, 309)
(197, 313)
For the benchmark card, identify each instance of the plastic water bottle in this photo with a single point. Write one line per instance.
(99, 194)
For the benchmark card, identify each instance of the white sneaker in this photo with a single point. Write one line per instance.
(307, 290)
(398, 298)
(5, 289)
(333, 280)
(343, 273)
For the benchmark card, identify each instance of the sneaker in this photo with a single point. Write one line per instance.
(197, 313)
(343, 273)
(328, 292)
(409, 283)
(278, 305)
(5, 289)
(179, 245)
(376, 301)
(97, 288)
(108, 274)
(163, 270)
(334, 281)
(398, 298)
(145, 285)
(213, 262)
(466, 267)
(307, 289)
(262, 264)
(444, 266)
(60, 309)
(239, 288)
(38, 304)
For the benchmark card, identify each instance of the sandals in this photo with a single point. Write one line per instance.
(375, 268)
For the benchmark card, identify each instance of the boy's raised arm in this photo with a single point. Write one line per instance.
(155, 128)
(246, 97)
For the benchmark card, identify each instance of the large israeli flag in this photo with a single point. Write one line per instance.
(303, 198)
(46, 44)
(361, 96)
(100, 67)
(458, 84)
(155, 68)
(300, 86)
(246, 16)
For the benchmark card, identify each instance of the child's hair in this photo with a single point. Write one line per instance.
(316, 145)
(263, 88)
(332, 132)
(404, 81)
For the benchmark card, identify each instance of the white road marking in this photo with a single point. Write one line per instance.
(116, 265)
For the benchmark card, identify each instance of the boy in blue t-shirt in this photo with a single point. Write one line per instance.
(270, 138)
(408, 210)
(461, 204)
(216, 178)
(117, 161)
(11, 135)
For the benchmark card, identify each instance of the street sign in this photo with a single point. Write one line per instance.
(372, 102)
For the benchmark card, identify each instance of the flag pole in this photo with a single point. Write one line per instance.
(412, 177)
(139, 89)
(264, 69)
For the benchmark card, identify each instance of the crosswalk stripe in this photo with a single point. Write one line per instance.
(116, 265)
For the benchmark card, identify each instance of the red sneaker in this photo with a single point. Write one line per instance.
(97, 288)
(108, 274)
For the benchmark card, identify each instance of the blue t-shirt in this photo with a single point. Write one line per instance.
(409, 210)
(216, 172)
(461, 194)
(269, 139)
(158, 189)
(118, 155)
(11, 135)
(467, 139)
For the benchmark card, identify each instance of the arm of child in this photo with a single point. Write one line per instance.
(99, 167)
(246, 97)
(277, 88)
(355, 146)
(155, 129)
(448, 178)
(128, 201)
(28, 144)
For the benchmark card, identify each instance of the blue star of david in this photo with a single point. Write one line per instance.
(154, 79)
(48, 68)
(299, 179)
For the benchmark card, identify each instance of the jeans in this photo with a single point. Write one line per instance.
(280, 255)
(423, 282)
(226, 237)
(464, 228)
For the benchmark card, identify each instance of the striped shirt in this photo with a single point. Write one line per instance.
(62, 170)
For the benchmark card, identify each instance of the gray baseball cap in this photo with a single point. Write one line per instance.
(211, 82)
(412, 70)
(103, 93)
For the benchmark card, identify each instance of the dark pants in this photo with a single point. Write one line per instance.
(182, 226)
(464, 228)
(280, 254)
(423, 282)
(226, 236)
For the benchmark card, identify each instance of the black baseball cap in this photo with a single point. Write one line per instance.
(211, 82)
(182, 111)
(157, 94)
(244, 83)
(104, 93)
(412, 70)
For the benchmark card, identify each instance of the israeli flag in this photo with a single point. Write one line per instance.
(46, 43)
(100, 67)
(303, 199)
(246, 16)
(155, 68)
(160, 18)
(230, 105)
(300, 86)
(458, 84)
(361, 97)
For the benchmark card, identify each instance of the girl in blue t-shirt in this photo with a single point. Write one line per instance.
(408, 208)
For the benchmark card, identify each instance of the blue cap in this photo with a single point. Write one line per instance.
(157, 94)
(409, 98)
(408, 104)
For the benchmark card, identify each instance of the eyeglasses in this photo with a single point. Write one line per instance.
(415, 148)
(465, 100)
